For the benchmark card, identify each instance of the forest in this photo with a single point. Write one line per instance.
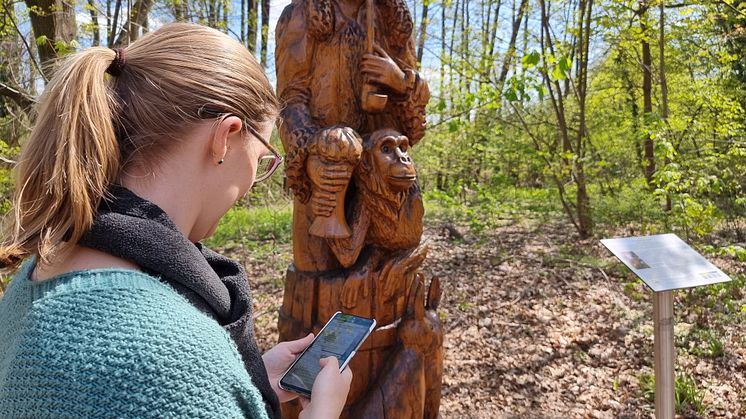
(552, 124)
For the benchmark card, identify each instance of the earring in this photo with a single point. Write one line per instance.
(221, 161)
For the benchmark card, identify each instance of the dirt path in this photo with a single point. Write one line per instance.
(542, 325)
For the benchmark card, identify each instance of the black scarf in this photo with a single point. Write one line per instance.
(132, 228)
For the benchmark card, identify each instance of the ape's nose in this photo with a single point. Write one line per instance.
(403, 156)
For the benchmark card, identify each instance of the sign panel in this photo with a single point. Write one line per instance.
(665, 262)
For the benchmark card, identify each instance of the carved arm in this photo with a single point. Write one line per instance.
(348, 250)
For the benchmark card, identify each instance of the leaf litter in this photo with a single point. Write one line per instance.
(540, 324)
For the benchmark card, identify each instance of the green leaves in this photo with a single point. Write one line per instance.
(531, 60)
(61, 47)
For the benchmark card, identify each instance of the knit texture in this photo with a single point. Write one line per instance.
(118, 343)
(135, 229)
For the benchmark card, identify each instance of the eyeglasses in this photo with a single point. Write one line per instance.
(267, 164)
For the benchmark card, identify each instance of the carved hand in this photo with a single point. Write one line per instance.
(354, 286)
(382, 70)
(396, 271)
(331, 177)
(328, 178)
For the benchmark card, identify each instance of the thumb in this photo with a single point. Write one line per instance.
(296, 346)
(382, 52)
(330, 362)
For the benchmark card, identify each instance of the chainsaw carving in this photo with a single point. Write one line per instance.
(353, 106)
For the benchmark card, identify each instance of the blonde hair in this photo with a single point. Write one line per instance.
(90, 126)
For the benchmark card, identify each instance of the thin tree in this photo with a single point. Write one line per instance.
(265, 32)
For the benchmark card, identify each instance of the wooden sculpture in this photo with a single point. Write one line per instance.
(353, 106)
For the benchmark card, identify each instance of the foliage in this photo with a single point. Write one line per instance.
(546, 117)
(687, 394)
(6, 178)
(250, 227)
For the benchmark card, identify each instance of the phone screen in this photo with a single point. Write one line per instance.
(341, 337)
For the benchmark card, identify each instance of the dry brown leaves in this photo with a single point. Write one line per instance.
(534, 331)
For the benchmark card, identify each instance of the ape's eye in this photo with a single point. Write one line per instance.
(403, 148)
(385, 149)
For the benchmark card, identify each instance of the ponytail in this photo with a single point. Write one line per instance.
(68, 163)
(91, 127)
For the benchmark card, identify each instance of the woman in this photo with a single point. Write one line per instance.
(118, 310)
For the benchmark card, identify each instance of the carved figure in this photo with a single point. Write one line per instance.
(388, 210)
(353, 106)
(322, 65)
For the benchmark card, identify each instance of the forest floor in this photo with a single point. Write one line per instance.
(540, 324)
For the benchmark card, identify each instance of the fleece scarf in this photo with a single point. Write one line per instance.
(135, 229)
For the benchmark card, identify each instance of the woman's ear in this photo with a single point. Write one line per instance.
(219, 143)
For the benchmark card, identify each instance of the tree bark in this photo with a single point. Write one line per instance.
(510, 53)
(582, 202)
(243, 22)
(19, 97)
(114, 23)
(662, 76)
(94, 23)
(251, 11)
(647, 93)
(423, 32)
(53, 21)
(265, 32)
(136, 23)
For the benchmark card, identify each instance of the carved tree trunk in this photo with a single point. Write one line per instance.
(370, 267)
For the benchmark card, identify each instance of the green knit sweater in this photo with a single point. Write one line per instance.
(115, 343)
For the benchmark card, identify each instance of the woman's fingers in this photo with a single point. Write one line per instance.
(297, 346)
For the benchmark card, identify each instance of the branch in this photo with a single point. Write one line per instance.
(28, 48)
(7, 162)
(22, 99)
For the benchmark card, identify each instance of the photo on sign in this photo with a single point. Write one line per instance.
(634, 260)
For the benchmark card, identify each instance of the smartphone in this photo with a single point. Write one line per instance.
(341, 336)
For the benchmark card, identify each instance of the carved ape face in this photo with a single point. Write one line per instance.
(388, 150)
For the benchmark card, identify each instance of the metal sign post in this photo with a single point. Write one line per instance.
(664, 354)
(665, 263)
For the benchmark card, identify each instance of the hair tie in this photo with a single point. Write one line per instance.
(117, 65)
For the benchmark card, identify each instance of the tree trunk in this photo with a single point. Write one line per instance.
(251, 11)
(647, 94)
(631, 100)
(178, 15)
(663, 81)
(583, 205)
(265, 32)
(94, 23)
(510, 53)
(451, 65)
(225, 15)
(53, 21)
(211, 18)
(114, 23)
(242, 24)
(423, 32)
(136, 23)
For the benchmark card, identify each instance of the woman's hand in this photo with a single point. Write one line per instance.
(278, 359)
(329, 391)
